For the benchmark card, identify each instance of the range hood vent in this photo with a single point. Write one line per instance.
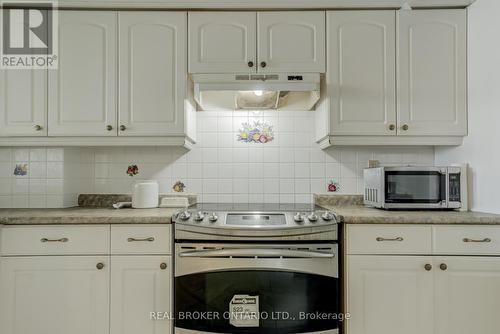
(226, 92)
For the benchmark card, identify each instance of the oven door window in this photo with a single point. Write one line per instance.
(415, 187)
(288, 302)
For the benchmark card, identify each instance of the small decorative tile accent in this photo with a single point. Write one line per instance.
(179, 187)
(259, 132)
(132, 170)
(333, 186)
(21, 170)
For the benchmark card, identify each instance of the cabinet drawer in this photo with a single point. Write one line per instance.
(471, 240)
(385, 239)
(55, 240)
(141, 239)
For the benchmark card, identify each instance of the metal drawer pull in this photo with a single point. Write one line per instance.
(428, 267)
(54, 240)
(250, 252)
(389, 239)
(163, 266)
(99, 266)
(150, 239)
(476, 240)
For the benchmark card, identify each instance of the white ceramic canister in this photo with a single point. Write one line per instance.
(145, 195)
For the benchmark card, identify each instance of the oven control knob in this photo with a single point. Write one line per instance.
(199, 216)
(327, 216)
(299, 217)
(184, 215)
(213, 217)
(313, 217)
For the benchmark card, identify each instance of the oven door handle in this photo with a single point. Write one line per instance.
(256, 252)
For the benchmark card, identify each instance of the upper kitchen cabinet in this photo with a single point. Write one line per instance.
(291, 42)
(82, 92)
(361, 76)
(432, 73)
(394, 78)
(23, 102)
(249, 42)
(152, 72)
(222, 42)
(23, 105)
(121, 81)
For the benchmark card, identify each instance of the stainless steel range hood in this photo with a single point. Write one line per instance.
(257, 91)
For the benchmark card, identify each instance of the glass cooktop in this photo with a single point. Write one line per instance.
(254, 207)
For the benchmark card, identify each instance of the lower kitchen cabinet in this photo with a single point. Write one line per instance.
(55, 295)
(467, 295)
(50, 283)
(140, 285)
(389, 295)
(427, 293)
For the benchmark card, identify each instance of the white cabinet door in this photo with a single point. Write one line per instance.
(467, 295)
(361, 78)
(54, 295)
(82, 92)
(140, 285)
(222, 42)
(389, 295)
(153, 68)
(23, 106)
(291, 41)
(432, 72)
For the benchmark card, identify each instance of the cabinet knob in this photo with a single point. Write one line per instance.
(109, 128)
(428, 267)
(123, 128)
(392, 127)
(250, 64)
(443, 266)
(163, 266)
(263, 64)
(99, 266)
(405, 127)
(38, 127)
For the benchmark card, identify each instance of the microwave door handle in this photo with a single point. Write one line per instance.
(257, 252)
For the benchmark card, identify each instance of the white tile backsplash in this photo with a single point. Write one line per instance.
(53, 179)
(219, 168)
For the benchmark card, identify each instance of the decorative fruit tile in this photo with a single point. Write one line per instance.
(21, 170)
(333, 186)
(259, 132)
(179, 187)
(132, 170)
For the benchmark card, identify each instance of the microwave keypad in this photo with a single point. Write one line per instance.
(454, 187)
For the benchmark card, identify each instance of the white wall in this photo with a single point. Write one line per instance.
(481, 148)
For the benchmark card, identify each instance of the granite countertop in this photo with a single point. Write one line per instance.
(352, 211)
(79, 215)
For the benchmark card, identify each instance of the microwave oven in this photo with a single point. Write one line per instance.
(416, 187)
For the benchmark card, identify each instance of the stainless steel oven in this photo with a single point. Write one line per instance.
(230, 277)
(416, 187)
